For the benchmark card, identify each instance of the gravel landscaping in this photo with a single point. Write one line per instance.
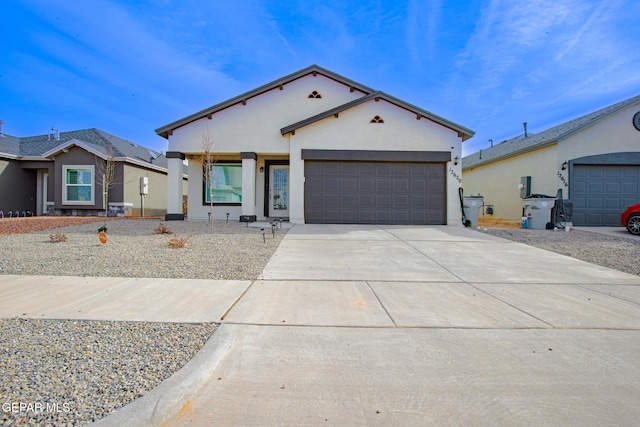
(74, 372)
(231, 251)
(613, 252)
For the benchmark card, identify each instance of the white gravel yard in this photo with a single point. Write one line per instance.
(73, 372)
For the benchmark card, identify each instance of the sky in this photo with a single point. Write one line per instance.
(128, 67)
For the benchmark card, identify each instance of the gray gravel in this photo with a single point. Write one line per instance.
(85, 370)
(613, 252)
(232, 251)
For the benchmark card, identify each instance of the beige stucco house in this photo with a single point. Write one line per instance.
(594, 160)
(316, 147)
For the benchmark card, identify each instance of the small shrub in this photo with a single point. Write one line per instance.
(178, 242)
(58, 237)
(162, 229)
(103, 228)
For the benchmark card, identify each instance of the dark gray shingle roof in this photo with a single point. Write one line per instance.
(520, 144)
(36, 146)
(9, 145)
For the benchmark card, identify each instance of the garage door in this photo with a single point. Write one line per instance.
(600, 193)
(358, 192)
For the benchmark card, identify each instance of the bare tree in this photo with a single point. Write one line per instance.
(106, 176)
(208, 160)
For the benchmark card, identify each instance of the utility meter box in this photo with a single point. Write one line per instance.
(144, 185)
(471, 206)
(538, 211)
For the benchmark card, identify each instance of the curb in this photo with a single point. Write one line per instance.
(169, 398)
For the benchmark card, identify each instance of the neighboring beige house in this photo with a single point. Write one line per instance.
(594, 159)
(61, 174)
(316, 147)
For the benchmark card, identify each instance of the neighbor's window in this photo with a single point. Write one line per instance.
(225, 185)
(78, 185)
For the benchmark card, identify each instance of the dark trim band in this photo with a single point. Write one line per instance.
(378, 156)
(248, 155)
(174, 155)
(174, 217)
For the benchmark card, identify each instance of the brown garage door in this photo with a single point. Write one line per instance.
(358, 192)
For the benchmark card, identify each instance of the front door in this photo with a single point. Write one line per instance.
(279, 191)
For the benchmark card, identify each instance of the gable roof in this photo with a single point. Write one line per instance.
(520, 144)
(370, 93)
(463, 132)
(94, 140)
(167, 130)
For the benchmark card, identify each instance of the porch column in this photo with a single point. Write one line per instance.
(248, 186)
(174, 186)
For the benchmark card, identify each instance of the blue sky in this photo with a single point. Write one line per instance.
(128, 67)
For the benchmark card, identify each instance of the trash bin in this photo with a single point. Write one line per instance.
(538, 211)
(471, 206)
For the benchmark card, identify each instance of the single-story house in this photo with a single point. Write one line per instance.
(62, 174)
(594, 160)
(317, 147)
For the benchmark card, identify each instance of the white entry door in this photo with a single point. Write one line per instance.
(279, 191)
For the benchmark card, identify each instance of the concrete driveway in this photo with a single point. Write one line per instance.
(393, 325)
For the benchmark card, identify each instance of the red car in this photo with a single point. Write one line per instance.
(631, 219)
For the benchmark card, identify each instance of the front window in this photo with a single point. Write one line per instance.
(78, 185)
(225, 184)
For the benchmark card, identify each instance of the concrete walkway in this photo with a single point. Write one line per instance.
(393, 325)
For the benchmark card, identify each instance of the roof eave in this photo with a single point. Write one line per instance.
(167, 130)
(141, 163)
(515, 153)
(462, 132)
(73, 142)
(8, 156)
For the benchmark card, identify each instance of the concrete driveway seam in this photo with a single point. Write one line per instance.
(609, 294)
(510, 305)
(395, 324)
(236, 301)
(444, 267)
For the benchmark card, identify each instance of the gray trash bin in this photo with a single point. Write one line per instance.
(538, 211)
(471, 206)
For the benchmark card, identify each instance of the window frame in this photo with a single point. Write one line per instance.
(205, 192)
(66, 185)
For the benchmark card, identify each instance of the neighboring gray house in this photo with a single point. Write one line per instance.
(594, 159)
(61, 174)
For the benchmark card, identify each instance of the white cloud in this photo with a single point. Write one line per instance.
(422, 30)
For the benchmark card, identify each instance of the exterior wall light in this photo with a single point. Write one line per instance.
(261, 169)
(456, 160)
(565, 165)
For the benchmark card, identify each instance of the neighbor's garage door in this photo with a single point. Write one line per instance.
(359, 192)
(600, 193)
